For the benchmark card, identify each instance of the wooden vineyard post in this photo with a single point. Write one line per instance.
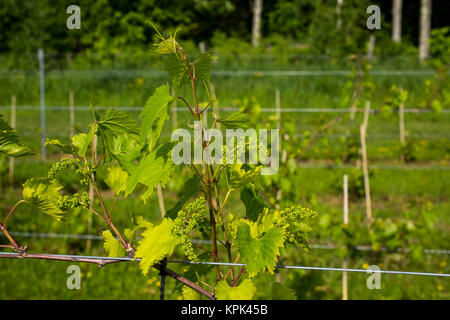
(278, 112)
(174, 110)
(71, 114)
(401, 120)
(161, 201)
(345, 264)
(13, 125)
(363, 130)
(91, 201)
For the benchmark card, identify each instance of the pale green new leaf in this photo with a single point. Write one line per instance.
(245, 291)
(44, 194)
(117, 179)
(261, 252)
(9, 141)
(156, 168)
(157, 243)
(81, 142)
(154, 115)
(111, 245)
(238, 175)
(236, 120)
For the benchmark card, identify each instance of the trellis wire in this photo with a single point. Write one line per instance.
(430, 274)
(299, 109)
(5, 74)
(200, 241)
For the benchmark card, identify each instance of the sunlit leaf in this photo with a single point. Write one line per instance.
(157, 243)
(9, 141)
(154, 115)
(112, 245)
(44, 194)
(245, 291)
(116, 179)
(261, 252)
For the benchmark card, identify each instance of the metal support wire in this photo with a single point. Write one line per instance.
(413, 273)
(202, 241)
(162, 273)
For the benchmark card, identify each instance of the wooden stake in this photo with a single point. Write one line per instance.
(13, 125)
(345, 264)
(71, 114)
(91, 202)
(401, 124)
(278, 111)
(363, 130)
(161, 201)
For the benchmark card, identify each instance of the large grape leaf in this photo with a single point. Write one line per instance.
(156, 168)
(261, 252)
(44, 194)
(9, 141)
(81, 142)
(244, 291)
(154, 114)
(111, 245)
(157, 243)
(116, 179)
(191, 188)
(116, 123)
(254, 203)
(179, 73)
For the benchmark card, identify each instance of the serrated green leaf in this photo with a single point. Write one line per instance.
(65, 148)
(9, 141)
(126, 151)
(190, 189)
(157, 243)
(245, 291)
(81, 142)
(111, 245)
(116, 123)
(254, 203)
(236, 120)
(179, 73)
(154, 169)
(259, 253)
(116, 179)
(154, 115)
(44, 194)
(239, 175)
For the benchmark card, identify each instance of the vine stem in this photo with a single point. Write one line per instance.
(11, 211)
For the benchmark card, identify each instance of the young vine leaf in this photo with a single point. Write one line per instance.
(9, 141)
(154, 115)
(245, 291)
